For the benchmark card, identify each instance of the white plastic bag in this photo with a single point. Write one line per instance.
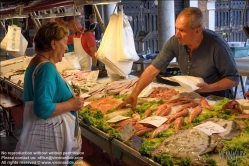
(107, 52)
(126, 48)
(14, 42)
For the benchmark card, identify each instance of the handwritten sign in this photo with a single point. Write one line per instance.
(154, 120)
(92, 76)
(210, 127)
(146, 92)
(84, 95)
(136, 142)
(86, 103)
(127, 132)
(117, 118)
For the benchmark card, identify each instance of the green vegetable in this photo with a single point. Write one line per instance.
(183, 162)
(148, 146)
(165, 160)
(218, 105)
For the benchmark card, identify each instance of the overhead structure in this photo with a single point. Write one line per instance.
(43, 9)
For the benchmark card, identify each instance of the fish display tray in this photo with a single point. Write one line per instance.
(239, 52)
(114, 147)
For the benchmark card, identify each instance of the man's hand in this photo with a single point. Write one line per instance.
(132, 100)
(247, 94)
(203, 87)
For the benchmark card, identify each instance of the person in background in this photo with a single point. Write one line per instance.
(62, 20)
(199, 52)
(84, 43)
(247, 94)
(95, 27)
(51, 95)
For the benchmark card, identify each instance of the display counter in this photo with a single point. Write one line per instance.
(114, 147)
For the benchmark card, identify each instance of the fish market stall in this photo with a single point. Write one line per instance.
(134, 138)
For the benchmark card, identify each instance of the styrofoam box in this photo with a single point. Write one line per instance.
(236, 44)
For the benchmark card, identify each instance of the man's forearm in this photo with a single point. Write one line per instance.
(223, 85)
(145, 79)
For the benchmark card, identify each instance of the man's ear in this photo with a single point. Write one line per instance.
(198, 30)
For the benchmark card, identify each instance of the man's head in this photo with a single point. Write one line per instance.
(61, 20)
(189, 24)
(74, 24)
(92, 18)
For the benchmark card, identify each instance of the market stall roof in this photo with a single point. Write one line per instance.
(38, 5)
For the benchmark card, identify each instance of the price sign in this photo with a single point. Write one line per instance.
(210, 127)
(92, 76)
(86, 103)
(117, 118)
(136, 142)
(146, 92)
(127, 132)
(154, 120)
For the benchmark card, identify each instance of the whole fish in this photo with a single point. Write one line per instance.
(160, 129)
(178, 114)
(178, 123)
(205, 104)
(196, 111)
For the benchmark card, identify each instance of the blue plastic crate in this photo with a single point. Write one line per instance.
(239, 52)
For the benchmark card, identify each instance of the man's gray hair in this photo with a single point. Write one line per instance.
(194, 15)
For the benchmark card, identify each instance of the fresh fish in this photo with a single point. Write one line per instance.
(191, 143)
(148, 112)
(196, 111)
(165, 112)
(243, 117)
(160, 129)
(178, 114)
(143, 131)
(178, 123)
(160, 109)
(205, 104)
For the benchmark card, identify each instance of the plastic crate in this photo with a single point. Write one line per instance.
(239, 52)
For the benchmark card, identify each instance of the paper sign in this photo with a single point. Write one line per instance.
(127, 132)
(154, 120)
(209, 128)
(86, 103)
(92, 76)
(117, 118)
(84, 95)
(146, 92)
(136, 142)
(187, 82)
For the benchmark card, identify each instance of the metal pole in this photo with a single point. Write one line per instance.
(3, 27)
(96, 11)
(34, 20)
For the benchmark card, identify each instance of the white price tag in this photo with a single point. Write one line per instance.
(117, 118)
(84, 95)
(136, 142)
(210, 127)
(92, 76)
(146, 92)
(127, 132)
(154, 120)
(86, 103)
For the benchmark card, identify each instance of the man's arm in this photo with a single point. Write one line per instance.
(223, 84)
(94, 59)
(144, 80)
